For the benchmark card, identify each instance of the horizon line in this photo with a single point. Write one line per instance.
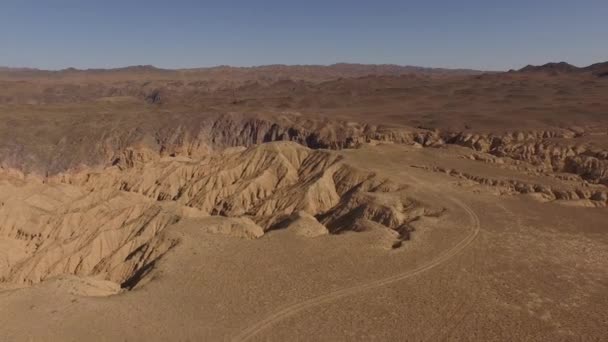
(254, 66)
(216, 66)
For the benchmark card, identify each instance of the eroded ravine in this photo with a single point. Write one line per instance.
(107, 219)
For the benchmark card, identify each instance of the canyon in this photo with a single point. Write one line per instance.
(281, 198)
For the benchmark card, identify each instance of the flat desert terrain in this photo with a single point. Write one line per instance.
(304, 203)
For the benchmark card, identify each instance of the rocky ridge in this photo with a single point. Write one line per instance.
(553, 151)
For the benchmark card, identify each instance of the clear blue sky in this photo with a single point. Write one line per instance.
(458, 33)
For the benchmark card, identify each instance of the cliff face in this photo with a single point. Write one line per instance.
(185, 135)
(556, 151)
(196, 136)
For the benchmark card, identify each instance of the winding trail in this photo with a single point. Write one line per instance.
(290, 310)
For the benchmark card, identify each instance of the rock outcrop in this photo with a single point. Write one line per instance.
(555, 151)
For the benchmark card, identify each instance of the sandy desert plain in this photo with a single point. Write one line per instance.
(287, 203)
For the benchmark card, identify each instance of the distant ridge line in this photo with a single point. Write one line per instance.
(563, 67)
(335, 66)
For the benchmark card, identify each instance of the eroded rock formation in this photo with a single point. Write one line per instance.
(110, 223)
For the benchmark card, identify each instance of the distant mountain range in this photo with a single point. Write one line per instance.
(600, 69)
(266, 74)
(305, 72)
